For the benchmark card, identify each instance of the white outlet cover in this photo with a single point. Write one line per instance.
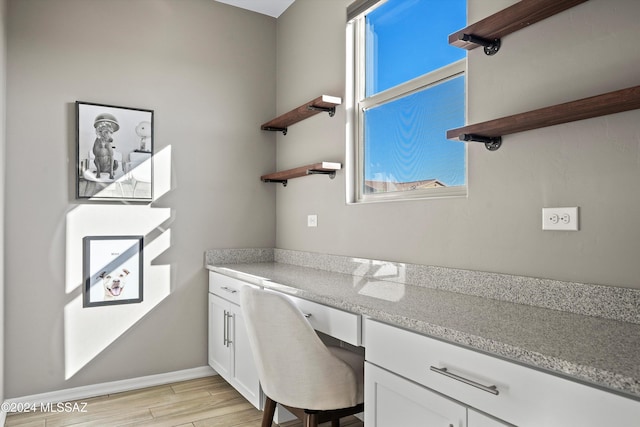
(560, 219)
(312, 220)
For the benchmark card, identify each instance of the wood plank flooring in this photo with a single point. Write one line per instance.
(203, 402)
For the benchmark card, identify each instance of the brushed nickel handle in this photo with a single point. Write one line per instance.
(231, 291)
(224, 329)
(229, 317)
(488, 388)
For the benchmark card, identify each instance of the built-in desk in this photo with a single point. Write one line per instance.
(592, 353)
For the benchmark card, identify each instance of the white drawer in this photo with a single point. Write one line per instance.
(339, 324)
(526, 397)
(226, 287)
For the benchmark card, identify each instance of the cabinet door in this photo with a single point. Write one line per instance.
(478, 419)
(245, 373)
(527, 397)
(219, 349)
(392, 401)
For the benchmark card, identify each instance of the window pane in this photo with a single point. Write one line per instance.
(405, 145)
(408, 38)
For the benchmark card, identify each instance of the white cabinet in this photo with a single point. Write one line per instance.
(505, 390)
(396, 401)
(229, 351)
(478, 419)
(219, 351)
(230, 354)
(393, 401)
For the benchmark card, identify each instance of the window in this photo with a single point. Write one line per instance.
(407, 89)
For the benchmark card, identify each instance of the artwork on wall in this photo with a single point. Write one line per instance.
(112, 270)
(114, 151)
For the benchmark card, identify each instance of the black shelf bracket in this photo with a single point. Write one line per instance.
(331, 174)
(275, 129)
(491, 47)
(492, 143)
(330, 110)
(279, 181)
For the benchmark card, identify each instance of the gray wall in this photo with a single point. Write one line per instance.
(208, 71)
(3, 67)
(593, 164)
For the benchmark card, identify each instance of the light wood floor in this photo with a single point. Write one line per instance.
(203, 402)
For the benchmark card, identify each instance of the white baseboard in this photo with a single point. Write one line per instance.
(85, 392)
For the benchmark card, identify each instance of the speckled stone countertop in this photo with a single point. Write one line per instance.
(595, 350)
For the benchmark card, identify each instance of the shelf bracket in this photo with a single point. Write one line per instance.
(275, 129)
(491, 47)
(331, 174)
(279, 181)
(491, 142)
(330, 110)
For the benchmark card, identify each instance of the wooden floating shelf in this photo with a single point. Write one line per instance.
(324, 103)
(509, 20)
(595, 106)
(322, 168)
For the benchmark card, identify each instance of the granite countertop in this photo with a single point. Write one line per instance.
(593, 350)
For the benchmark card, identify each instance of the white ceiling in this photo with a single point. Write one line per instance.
(267, 7)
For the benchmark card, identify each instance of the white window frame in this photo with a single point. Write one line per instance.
(357, 104)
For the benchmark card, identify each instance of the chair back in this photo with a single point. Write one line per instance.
(295, 367)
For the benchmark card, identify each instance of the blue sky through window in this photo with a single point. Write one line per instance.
(408, 38)
(405, 138)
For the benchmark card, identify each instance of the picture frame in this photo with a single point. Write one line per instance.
(119, 142)
(112, 270)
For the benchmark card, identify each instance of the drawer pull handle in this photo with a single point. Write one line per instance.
(227, 317)
(307, 315)
(231, 291)
(488, 388)
(230, 317)
(225, 328)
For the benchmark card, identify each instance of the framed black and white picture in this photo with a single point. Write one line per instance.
(114, 151)
(112, 270)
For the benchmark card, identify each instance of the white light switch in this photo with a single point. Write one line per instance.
(312, 220)
(560, 219)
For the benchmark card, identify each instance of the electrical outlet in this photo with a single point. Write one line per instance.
(560, 219)
(312, 220)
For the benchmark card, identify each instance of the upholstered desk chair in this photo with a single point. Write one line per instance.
(296, 369)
